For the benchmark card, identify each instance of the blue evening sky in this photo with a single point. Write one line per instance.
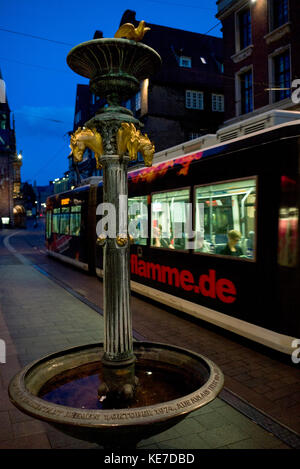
(40, 86)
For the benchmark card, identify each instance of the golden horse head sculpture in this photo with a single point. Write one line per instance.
(86, 138)
(133, 141)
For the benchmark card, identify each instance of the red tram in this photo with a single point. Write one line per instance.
(248, 186)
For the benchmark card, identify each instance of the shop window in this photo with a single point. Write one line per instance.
(138, 219)
(226, 210)
(170, 219)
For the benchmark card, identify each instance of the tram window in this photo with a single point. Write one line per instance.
(65, 221)
(75, 220)
(288, 223)
(48, 224)
(138, 219)
(169, 216)
(226, 211)
(56, 220)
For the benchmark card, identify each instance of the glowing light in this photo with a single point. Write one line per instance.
(65, 201)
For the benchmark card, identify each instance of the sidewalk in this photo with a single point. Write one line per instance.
(38, 317)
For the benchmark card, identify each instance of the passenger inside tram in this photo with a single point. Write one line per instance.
(159, 241)
(232, 248)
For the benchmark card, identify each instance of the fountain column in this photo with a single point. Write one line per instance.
(118, 359)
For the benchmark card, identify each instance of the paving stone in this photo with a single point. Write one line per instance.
(38, 441)
(6, 430)
(191, 442)
(224, 435)
(27, 428)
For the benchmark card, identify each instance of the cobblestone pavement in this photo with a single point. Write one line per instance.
(39, 316)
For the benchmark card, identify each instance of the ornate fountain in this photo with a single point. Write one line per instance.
(118, 389)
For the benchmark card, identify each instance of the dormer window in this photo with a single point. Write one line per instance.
(185, 62)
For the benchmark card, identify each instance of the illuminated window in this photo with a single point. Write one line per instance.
(194, 99)
(56, 220)
(75, 220)
(185, 62)
(217, 101)
(48, 224)
(221, 208)
(65, 221)
(169, 219)
(138, 219)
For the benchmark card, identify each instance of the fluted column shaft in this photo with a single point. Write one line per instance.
(118, 344)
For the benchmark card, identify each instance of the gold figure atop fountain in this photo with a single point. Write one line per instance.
(128, 31)
(83, 138)
(132, 141)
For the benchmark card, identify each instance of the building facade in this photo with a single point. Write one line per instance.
(185, 99)
(261, 56)
(12, 212)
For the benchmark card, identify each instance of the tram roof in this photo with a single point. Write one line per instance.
(269, 135)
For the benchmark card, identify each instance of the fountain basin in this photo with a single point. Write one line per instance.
(114, 65)
(190, 381)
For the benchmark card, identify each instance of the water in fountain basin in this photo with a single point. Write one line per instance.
(157, 384)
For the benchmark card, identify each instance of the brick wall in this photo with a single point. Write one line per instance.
(265, 44)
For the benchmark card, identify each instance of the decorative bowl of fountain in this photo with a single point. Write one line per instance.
(119, 392)
(114, 65)
(61, 389)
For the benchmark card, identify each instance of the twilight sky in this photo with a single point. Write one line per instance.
(36, 36)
